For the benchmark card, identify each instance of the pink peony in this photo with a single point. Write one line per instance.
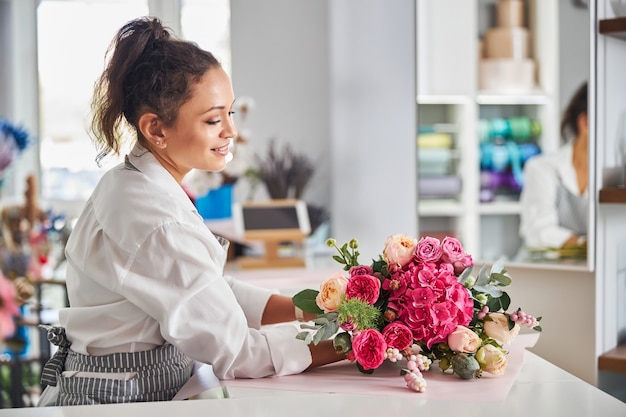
(364, 287)
(397, 335)
(428, 249)
(369, 348)
(452, 250)
(399, 250)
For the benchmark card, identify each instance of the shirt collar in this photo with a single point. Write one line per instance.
(145, 162)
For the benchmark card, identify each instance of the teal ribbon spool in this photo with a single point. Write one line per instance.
(519, 129)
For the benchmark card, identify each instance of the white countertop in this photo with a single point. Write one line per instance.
(541, 389)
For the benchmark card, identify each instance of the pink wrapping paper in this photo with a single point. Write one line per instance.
(386, 381)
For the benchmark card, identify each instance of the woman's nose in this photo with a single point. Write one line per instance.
(230, 130)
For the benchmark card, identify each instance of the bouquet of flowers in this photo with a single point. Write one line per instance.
(417, 302)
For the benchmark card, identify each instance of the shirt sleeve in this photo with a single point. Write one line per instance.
(176, 278)
(539, 222)
(251, 299)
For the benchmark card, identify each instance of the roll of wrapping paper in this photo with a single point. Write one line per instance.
(519, 129)
(445, 186)
(434, 140)
(434, 161)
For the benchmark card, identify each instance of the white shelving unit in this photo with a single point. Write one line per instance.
(448, 45)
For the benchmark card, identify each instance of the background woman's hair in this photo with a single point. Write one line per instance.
(147, 70)
(576, 107)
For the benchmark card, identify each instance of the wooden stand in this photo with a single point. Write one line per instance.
(272, 239)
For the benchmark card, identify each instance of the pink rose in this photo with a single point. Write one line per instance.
(399, 250)
(463, 264)
(492, 359)
(364, 287)
(497, 327)
(452, 250)
(369, 348)
(428, 249)
(331, 292)
(361, 270)
(463, 340)
(398, 336)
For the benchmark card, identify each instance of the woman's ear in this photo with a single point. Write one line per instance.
(151, 128)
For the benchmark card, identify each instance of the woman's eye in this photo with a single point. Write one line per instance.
(213, 122)
(230, 113)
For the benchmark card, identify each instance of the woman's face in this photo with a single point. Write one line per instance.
(201, 135)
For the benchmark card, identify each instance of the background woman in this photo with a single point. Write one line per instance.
(554, 198)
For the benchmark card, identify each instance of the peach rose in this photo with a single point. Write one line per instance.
(332, 292)
(492, 359)
(399, 249)
(497, 327)
(463, 340)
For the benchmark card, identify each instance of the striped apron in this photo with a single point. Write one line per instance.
(152, 375)
(572, 211)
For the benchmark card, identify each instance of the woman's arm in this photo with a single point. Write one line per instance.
(280, 309)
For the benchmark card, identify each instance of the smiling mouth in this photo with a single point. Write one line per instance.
(223, 150)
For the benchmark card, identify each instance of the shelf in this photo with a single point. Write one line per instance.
(615, 28)
(615, 195)
(442, 99)
(614, 360)
(440, 208)
(523, 98)
(500, 208)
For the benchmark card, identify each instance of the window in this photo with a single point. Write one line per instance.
(73, 36)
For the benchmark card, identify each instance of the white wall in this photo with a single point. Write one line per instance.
(373, 121)
(573, 53)
(280, 53)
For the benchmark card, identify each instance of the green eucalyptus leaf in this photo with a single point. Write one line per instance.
(489, 289)
(302, 335)
(498, 266)
(501, 279)
(321, 320)
(482, 278)
(329, 330)
(467, 272)
(306, 336)
(305, 300)
(331, 316)
(318, 337)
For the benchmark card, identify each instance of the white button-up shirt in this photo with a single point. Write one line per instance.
(540, 222)
(144, 270)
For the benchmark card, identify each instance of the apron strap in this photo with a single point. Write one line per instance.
(54, 366)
